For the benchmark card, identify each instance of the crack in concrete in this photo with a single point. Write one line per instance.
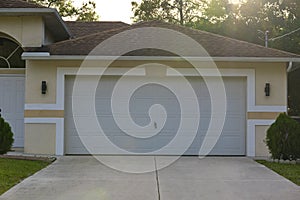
(157, 179)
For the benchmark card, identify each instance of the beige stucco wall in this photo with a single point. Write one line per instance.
(277, 77)
(37, 71)
(273, 73)
(260, 136)
(26, 30)
(40, 138)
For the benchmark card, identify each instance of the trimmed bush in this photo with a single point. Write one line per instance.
(283, 138)
(6, 136)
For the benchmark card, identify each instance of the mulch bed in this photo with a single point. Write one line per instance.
(16, 157)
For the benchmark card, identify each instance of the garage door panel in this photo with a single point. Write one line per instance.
(225, 146)
(234, 106)
(142, 105)
(85, 108)
(80, 126)
(103, 106)
(147, 91)
(12, 104)
(78, 151)
(238, 122)
(130, 143)
(73, 133)
(19, 106)
(231, 142)
(108, 124)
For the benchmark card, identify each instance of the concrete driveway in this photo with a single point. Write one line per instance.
(190, 178)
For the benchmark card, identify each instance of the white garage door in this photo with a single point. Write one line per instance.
(231, 142)
(12, 105)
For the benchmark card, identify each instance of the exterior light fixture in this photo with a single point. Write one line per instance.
(267, 89)
(44, 87)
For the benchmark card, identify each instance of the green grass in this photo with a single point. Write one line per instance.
(289, 171)
(14, 171)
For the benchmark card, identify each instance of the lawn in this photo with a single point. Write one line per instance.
(289, 171)
(14, 171)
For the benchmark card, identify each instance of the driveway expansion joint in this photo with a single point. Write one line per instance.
(157, 179)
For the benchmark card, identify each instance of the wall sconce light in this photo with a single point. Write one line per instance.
(267, 89)
(44, 87)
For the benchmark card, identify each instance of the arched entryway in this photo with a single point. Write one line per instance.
(12, 86)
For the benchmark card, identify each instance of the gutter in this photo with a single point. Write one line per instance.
(290, 67)
(47, 56)
(293, 67)
(24, 11)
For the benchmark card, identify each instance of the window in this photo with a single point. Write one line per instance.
(10, 54)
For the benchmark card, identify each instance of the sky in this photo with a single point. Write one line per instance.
(116, 10)
(112, 10)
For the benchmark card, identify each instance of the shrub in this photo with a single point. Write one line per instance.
(283, 138)
(6, 136)
(293, 91)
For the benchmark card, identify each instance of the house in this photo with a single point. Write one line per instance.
(183, 88)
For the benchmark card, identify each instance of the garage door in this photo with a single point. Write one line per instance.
(231, 141)
(12, 105)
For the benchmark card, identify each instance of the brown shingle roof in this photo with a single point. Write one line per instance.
(18, 4)
(79, 29)
(215, 45)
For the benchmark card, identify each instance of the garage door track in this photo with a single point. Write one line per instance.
(191, 178)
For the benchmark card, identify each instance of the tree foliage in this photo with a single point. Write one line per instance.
(278, 17)
(240, 21)
(67, 10)
(283, 138)
(87, 12)
(175, 11)
(6, 136)
(293, 91)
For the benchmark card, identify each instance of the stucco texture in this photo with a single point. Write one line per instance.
(40, 138)
(21, 30)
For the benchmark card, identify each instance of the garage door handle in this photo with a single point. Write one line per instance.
(155, 125)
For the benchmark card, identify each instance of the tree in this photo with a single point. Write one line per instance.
(87, 12)
(240, 21)
(66, 9)
(6, 136)
(278, 17)
(182, 12)
(283, 138)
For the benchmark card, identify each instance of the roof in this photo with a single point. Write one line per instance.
(18, 4)
(79, 28)
(215, 45)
